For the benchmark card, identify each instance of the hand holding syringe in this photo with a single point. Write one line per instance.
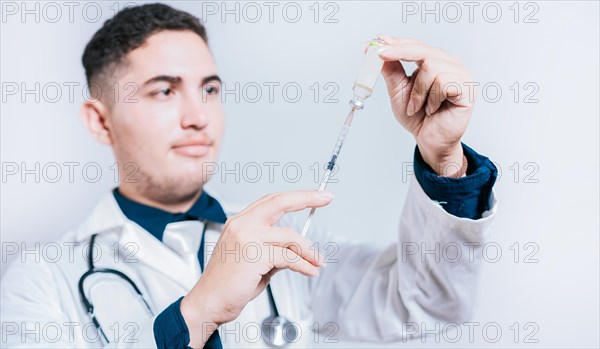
(363, 87)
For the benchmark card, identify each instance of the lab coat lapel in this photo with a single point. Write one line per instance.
(158, 256)
(135, 242)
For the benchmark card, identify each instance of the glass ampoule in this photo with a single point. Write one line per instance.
(368, 74)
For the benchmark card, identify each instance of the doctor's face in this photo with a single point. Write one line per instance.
(173, 123)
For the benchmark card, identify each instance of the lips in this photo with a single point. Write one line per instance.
(196, 148)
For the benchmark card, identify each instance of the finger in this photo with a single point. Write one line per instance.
(447, 86)
(283, 258)
(265, 280)
(393, 72)
(274, 271)
(392, 40)
(285, 237)
(275, 206)
(256, 203)
(414, 52)
(421, 86)
(259, 202)
(435, 99)
(426, 75)
(394, 76)
(387, 40)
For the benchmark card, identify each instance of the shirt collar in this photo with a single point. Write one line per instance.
(154, 220)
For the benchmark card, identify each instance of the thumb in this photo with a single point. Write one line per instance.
(395, 76)
(265, 280)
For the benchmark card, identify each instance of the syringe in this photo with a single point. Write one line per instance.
(363, 88)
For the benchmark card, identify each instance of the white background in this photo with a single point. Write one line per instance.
(551, 201)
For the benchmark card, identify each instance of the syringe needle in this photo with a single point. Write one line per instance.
(331, 164)
(363, 87)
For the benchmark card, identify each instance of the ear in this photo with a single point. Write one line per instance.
(94, 114)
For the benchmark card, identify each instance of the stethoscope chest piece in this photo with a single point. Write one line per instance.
(277, 331)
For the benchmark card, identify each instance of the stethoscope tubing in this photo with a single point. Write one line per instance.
(89, 307)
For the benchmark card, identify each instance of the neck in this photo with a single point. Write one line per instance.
(175, 207)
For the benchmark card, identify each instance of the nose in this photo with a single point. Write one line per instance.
(194, 111)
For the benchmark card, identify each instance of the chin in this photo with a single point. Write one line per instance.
(194, 169)
(188, 190)
(178, 189)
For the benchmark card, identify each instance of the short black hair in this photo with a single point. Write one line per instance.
(128, 30)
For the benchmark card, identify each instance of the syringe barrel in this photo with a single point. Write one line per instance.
(341, 139)
(338, 146)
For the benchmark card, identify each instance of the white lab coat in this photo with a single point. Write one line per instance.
(369, 294)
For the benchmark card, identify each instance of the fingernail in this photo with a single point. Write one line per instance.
(410, 110)
(427, 110)
(326, 195)
(383, 37)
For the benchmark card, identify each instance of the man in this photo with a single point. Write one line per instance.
(164, 219)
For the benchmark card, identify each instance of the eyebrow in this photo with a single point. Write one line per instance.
(211, 78)
(177, 79)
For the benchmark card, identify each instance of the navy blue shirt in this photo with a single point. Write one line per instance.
(155, 220)
(466, 197)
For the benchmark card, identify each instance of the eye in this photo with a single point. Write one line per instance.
(166, 91)
(212, 89)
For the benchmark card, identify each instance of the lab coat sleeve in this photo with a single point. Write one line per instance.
(367, 293)
(38, 311)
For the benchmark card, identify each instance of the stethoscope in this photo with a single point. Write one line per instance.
(276, 330)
